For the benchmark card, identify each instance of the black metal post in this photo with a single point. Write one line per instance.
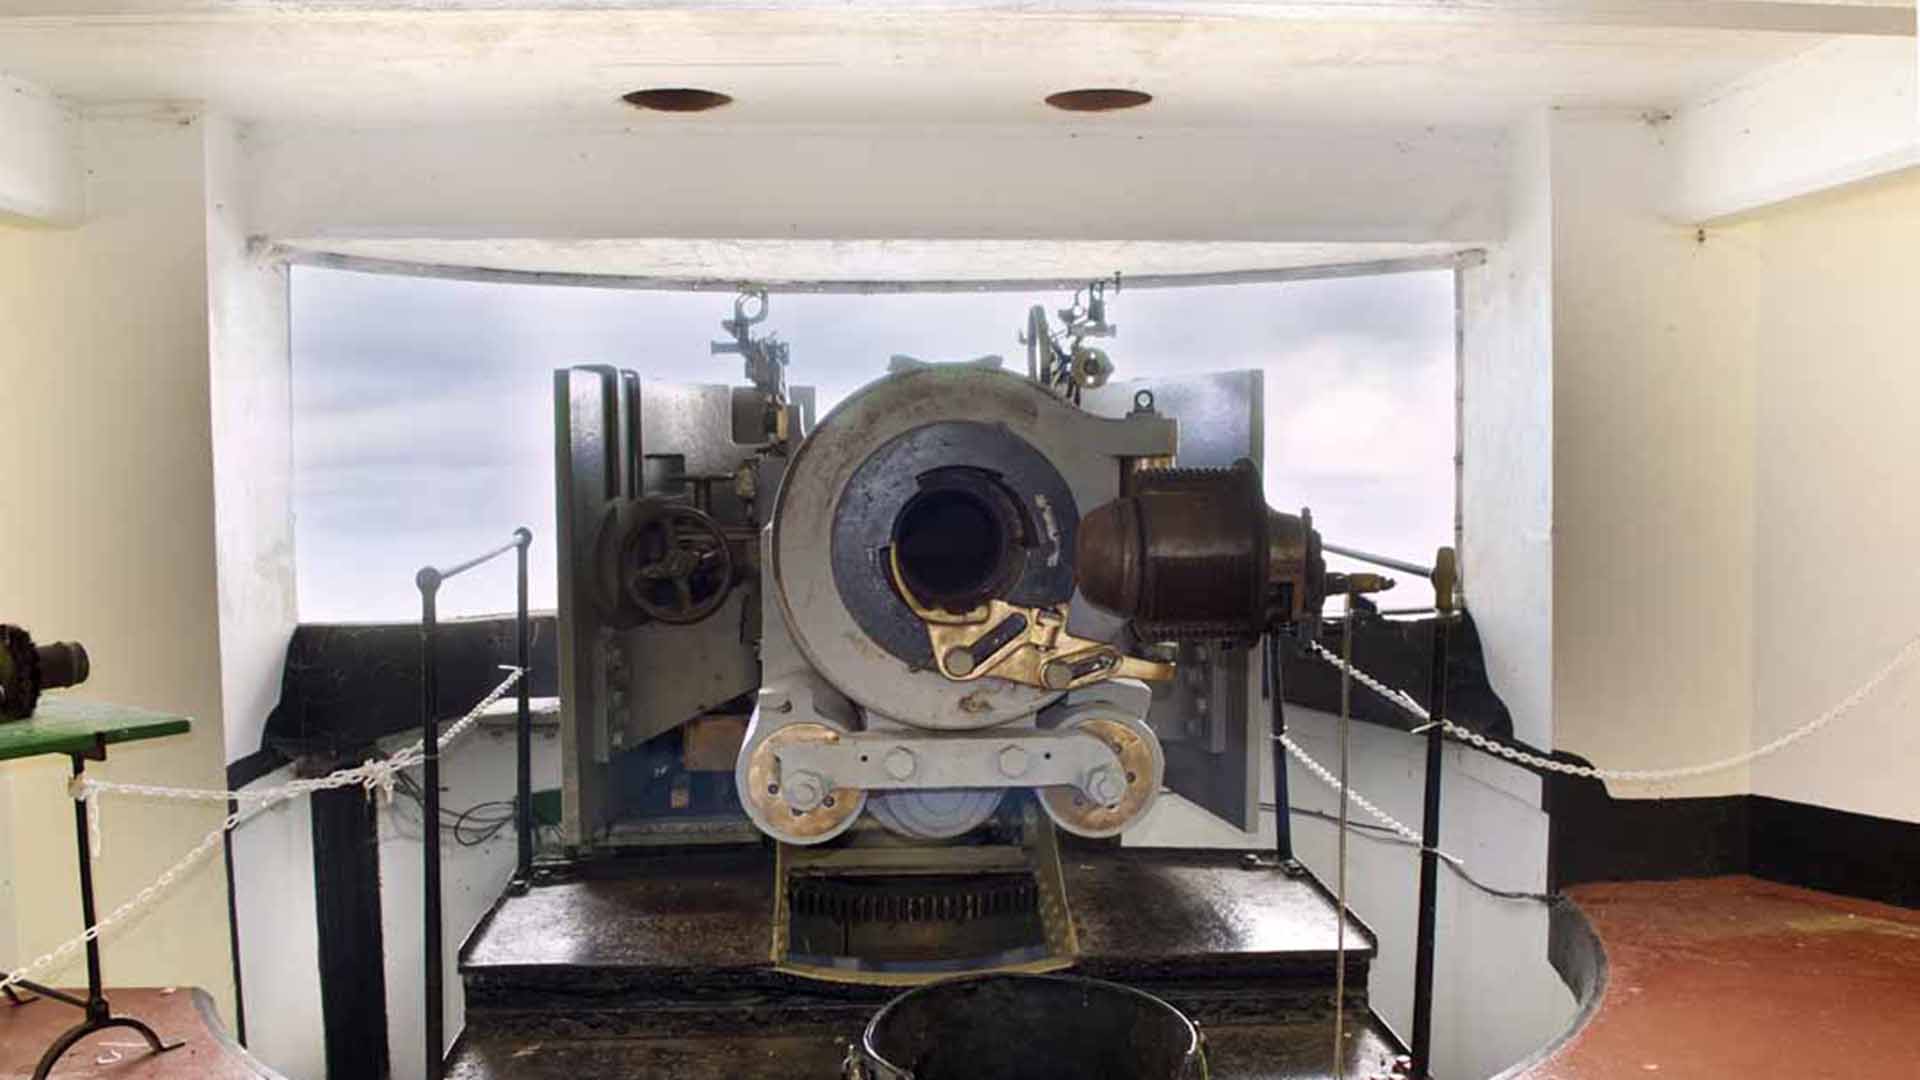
(523, 793)
(233, 931)
(1282, 801)
(429, 581)
(99, 1012)
(96, 1000)
(1424, 939)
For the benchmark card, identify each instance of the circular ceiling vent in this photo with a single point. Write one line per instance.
(1098, 99)
(681, 99)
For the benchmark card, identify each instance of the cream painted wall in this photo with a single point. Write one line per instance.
(1653, 436)
(1837, 522)
(109, 533)
(9, 910)
(1734, 423)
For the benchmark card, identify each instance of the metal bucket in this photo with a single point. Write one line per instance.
(1027, 1027)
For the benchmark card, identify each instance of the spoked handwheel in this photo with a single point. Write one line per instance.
(676, 565)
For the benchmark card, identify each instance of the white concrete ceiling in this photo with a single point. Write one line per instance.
(1212, 65)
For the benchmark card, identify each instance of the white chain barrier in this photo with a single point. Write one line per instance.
(379, 776)
(1901, 660)
(1326, 776)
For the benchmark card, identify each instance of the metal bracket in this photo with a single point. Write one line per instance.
(1028, 645)
(881, 761)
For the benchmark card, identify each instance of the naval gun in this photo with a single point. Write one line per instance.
(909, 640)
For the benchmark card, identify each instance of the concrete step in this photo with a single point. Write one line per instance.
(684, 939)
(1297, 1049)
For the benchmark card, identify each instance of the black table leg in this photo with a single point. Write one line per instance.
(99, 1013)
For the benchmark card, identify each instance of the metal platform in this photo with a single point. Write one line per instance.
(660, 965)
(1299, 1049)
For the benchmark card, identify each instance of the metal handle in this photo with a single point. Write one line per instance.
(861, 1067)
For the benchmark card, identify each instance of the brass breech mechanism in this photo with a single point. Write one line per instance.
(1028, 645)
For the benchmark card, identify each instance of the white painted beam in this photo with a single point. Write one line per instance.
(41, 178)
(1310, 185)
(1840, 113)
(1783, 16)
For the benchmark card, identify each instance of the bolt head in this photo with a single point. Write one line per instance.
(959, 661)
(804, 789)
(1014, 761)
(900, 763)
(1105, 785)
(1056, 675)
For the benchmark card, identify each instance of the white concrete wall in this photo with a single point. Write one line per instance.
(279, 942)
(40, 157)
(1497, 998)
(1506, 441)
(109, 532)
(1845, 110)
(252, 418)
(1719, 438)
(274, 903)
(1653, 448)
(478, 769)
(1836, 521)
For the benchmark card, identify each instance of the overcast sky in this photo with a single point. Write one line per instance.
(423, 413)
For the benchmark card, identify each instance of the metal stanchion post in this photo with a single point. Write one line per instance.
(523, 729)
(1444, 580)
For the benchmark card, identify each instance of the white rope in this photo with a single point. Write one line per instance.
(1905, 657)
(378, 775)
(374, 776)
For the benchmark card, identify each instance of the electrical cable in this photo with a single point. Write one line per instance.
(486, 819)
(1385, 835)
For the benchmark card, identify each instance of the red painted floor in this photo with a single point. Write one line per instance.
(1736, 977)
(119, 1054)
(1724, 978)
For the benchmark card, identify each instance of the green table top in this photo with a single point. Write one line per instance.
(62, 725)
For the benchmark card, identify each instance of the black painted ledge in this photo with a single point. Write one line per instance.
(1596, 837)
